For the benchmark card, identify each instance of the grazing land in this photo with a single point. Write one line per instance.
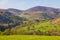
(29, 37)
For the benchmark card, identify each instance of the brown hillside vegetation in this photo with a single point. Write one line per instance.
(56, 21)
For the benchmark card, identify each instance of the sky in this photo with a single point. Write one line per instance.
(25, 4)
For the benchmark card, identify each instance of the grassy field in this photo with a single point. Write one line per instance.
(29, 37)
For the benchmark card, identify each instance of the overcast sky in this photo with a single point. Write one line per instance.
(25, 4)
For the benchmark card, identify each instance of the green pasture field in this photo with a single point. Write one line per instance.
(29, 37)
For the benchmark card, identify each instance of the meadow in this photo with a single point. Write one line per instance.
(29, 37)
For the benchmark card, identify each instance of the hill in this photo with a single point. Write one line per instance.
(9, 20)
(14, 11)
(41, 13)
(37, 20)
(56, 21)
